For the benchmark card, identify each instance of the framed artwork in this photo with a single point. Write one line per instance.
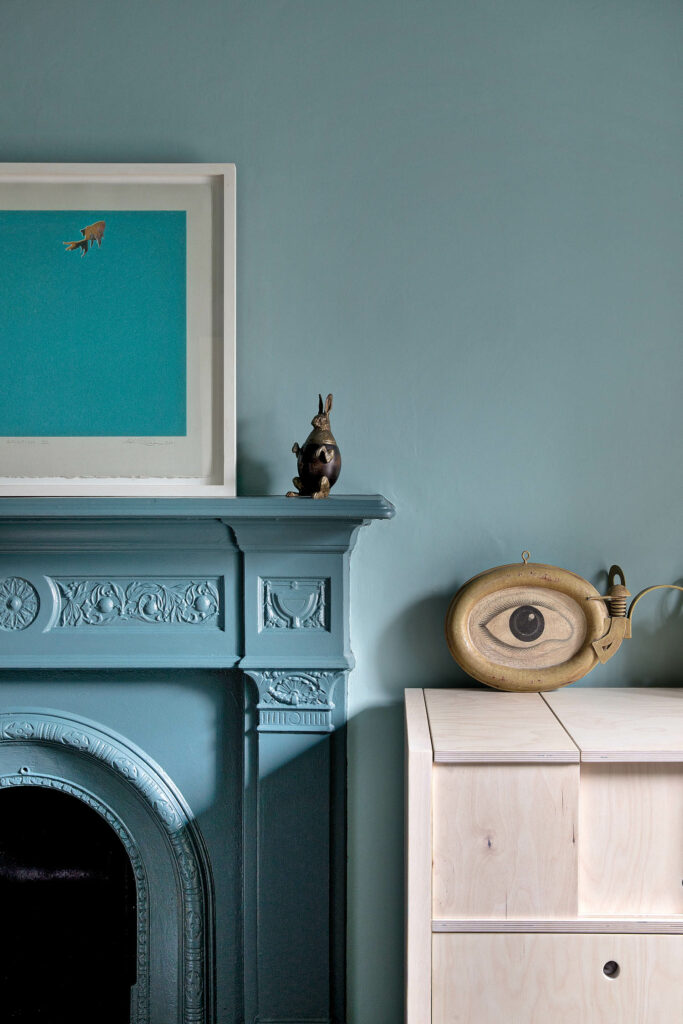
(117, 329)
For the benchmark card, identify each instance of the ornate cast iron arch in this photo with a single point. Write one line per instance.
(79, 737)
(141, 998)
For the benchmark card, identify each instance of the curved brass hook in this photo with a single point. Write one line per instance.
(657, 586)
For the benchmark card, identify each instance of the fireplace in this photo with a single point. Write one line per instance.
(62, 865)
(172, 758)
(136, 840)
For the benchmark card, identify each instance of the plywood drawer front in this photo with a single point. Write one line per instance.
(505, 840)
(631, 828)
(556, 979)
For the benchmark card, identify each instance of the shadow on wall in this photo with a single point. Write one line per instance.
(656, 641)
(375, 871)
(415, 652)
(253, 477)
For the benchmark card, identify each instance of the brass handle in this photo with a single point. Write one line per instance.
(616, 595)
(658, 586)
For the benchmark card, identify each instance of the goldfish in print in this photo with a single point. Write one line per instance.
(93, 233)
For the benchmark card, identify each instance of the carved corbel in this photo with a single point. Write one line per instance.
(293, 700)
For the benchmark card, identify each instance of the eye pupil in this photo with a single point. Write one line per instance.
(527, 623)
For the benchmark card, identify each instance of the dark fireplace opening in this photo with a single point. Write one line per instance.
(68, 899)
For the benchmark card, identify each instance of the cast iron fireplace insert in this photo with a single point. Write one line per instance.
(67, 892)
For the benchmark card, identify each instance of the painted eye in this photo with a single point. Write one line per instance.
(525, 627)
(528, 625)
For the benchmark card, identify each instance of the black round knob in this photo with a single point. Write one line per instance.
(611, 969)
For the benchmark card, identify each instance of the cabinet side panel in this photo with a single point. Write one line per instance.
(539, 979)
(505, 841)
(631, 851)
(418, 853)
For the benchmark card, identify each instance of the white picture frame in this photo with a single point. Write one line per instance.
(198, 463)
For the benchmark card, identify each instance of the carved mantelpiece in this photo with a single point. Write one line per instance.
(257, 585)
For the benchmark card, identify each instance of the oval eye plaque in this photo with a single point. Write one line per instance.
(525, 627)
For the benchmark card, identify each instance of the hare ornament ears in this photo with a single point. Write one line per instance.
(318, 459)
(322, 420)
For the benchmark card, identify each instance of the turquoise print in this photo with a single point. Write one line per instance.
(93, 333)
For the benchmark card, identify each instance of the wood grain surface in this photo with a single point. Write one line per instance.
(620, 723)
(631, 848)
(418, 840)
(557, 979)
(488, 726)
(568, 925)
(505, 840)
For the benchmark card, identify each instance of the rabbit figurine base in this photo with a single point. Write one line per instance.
(318, 460)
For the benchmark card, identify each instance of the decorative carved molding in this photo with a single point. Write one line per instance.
(118, 600)
(295, 701)
(301, 689)
(164, 804)
(295, 603)
(19, 603)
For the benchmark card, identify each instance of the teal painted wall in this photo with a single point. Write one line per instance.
(465, 220)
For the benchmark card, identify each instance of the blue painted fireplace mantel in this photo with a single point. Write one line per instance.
(257, 588)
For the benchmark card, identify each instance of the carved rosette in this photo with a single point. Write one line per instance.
(19, 603)
(290, 603)
(171, 813)
(295, 701)
(85, 602)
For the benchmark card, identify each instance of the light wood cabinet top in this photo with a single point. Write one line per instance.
(622, 723)
(469, 726)
(589, 724)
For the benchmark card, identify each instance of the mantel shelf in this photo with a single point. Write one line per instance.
(343, 506)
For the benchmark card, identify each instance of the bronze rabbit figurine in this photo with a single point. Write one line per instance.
(319, 460)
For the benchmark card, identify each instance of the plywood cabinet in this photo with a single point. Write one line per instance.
(544, 856)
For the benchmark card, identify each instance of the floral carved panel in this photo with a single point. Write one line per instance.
(122, 601)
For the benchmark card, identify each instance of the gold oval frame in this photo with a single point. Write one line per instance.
(535, 680)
